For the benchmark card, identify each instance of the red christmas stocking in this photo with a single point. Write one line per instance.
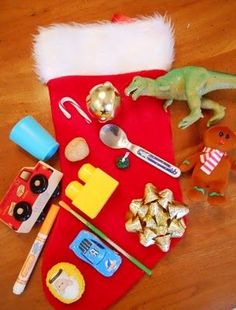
(71, 59)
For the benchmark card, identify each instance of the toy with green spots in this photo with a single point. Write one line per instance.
(190, 84)
(211, 165)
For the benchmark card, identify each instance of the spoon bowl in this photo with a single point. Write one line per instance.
(113, 136)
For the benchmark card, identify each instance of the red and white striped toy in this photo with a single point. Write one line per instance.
(210, 159)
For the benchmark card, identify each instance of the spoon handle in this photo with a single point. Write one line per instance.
(155, 161)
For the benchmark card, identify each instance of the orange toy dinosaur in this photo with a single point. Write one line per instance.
(211, 165)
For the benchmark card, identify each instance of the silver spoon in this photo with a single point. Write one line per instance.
(114, 137)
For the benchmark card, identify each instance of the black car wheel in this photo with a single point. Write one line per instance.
(22, 211)
(38, 184)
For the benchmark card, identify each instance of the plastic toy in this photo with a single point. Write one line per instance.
(65, 282)
(33, 138)
(189, 84)
(99, 233)
(211, 165)
(28, 195)
(92, 196)
(35, 251)
(94, 252)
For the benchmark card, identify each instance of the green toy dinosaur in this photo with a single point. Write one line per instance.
(187, 83)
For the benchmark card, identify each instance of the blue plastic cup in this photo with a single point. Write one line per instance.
(33, 138)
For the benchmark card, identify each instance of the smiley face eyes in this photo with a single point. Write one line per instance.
(221, 134)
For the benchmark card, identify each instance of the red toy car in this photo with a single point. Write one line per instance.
(28, 195)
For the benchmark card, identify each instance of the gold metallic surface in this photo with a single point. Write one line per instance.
(147, 237)
(135, 205)
(163, 242)
(103, 102)
(133, 225)
(150, 193)
(157, 218)
(166, 197)
(177, 211)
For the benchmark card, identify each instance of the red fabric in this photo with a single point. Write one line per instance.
(146, 124)
(119, 18)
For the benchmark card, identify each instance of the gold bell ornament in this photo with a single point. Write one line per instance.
(103, 102)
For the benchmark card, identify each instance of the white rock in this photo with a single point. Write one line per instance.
(77, 149)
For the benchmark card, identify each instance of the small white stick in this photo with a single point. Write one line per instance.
(125, 156)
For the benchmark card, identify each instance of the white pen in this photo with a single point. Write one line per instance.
(35, 251)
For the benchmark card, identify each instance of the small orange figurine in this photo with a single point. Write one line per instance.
(211, 165)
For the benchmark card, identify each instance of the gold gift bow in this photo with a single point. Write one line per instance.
(157, 217)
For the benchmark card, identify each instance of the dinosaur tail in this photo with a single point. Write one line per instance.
(220, 80)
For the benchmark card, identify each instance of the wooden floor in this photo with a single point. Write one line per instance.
(200, 273)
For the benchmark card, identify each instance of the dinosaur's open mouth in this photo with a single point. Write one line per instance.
(132, 91)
